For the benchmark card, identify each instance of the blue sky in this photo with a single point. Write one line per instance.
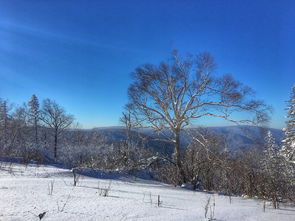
(81, 53)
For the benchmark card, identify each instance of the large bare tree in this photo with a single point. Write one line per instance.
(169, 96)
(55, 117)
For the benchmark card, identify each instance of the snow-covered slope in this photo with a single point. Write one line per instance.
(26, 192)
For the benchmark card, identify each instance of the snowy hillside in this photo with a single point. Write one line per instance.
(27, 191)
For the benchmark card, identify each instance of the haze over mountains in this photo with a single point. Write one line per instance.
(237, 137)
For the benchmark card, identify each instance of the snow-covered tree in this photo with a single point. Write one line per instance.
(288, 148)
(270, 156)
(271, 169)
(34, 115)
(170, 96)
(56, 118)
(4, 120)
(278, 181)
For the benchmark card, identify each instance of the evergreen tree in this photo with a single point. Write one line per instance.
(34, 114)
(288, 148)
(4, 122)
(271, 160)
(272, 171)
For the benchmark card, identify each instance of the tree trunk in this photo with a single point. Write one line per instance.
(5, 130)
(178, 157)
(55, 145)
(36, 133)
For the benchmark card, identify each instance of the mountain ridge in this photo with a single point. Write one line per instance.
(238, 137)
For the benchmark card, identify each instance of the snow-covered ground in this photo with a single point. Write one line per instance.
(25, 192)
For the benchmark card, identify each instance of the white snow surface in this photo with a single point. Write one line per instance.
(24, 194)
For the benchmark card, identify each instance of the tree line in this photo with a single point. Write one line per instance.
(28, 126)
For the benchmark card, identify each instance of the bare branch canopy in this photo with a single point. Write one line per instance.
(169, 96)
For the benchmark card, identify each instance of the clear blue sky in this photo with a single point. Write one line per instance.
(81, 53)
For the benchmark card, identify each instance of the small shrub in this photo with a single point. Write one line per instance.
(105, 191)
(210, 207)
(50, 187)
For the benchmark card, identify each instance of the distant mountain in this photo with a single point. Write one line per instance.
(243, 137)
(237, 137)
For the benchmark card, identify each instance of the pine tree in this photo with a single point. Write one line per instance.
(34, 114)
(4, 121)
(270, 156)
(288, 147)
(272, 171)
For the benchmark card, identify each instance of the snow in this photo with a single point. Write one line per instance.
(25, 193)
